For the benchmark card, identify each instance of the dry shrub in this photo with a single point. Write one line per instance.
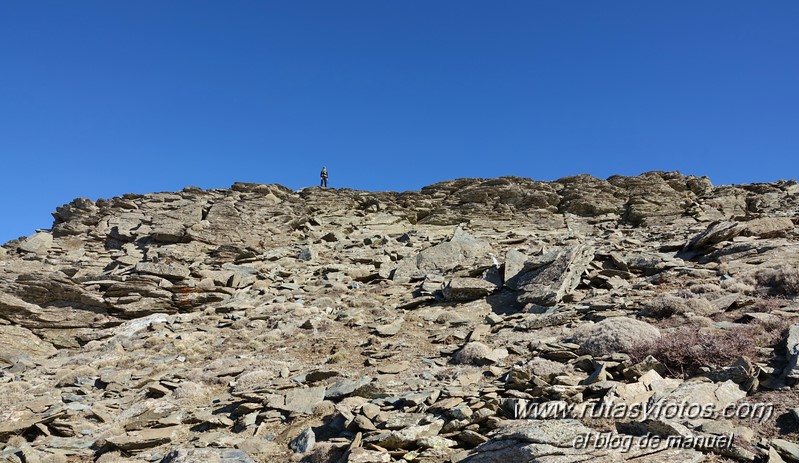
(69, 377)
(734, 285)
(666, 306)
(686, 349)
(472, 353)
(782, 280)
(704, 288)
(768, 304)
(254, 379)
(190, 390)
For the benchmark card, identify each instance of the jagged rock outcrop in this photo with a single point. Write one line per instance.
(473, 320)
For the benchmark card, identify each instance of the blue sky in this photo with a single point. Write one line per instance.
(101, 98)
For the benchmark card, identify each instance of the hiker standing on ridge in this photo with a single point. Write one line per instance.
(323, 177)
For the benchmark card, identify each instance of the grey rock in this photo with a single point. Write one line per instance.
(767, 227)
(514, 265)
(17, 342)
(717, 232)
(301, 400)
(139, 440)
(557, 441)
(462, 248)
(473, 353)
(392, 368)
(774, 456)
(306, 253)
(792, 344)
(716, 395)
(304, 442)
(39, 243)
(548, 285)
(168, 232)
(345, 387)
(362, 455)
(169, 271)
(787, 449)
(472, 437)
(206, 455)
(406, 437)
(390, 329)
(467, 289)
(616, 334)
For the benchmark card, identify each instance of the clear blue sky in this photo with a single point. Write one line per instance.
(100, 98)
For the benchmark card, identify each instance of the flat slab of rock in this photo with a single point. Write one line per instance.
(139, 440)
(549, 284)
(345, 387)
(16, 341)
(393, 368)
(461, 249)
(390, 329)
(209, 455)
(39, 243)
(14, 422)
(787, 449)
(467, 289)
(568, 441)
(406, 437)
(168, 271)
(765, 227)
(302, 400)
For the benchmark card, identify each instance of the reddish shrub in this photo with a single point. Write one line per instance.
(686, 349)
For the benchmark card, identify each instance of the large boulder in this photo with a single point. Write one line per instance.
(548, 285)
(462, 249)
(617, 334)
(39, 243)
(717, 232)
(467, 289)
(17, 342)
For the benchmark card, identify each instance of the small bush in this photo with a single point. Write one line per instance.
(704, 288)
(684, 350)
(666, 306)
(254, 380)
(782, 280)
(734, 285)
(472, 353)
(768, 304)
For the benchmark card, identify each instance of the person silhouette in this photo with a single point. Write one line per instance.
(323, 177)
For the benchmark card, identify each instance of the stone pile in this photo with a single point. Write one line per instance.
(475, 320)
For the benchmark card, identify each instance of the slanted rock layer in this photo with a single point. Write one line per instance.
(479, 320)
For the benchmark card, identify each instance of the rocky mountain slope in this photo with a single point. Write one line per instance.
(649, 318)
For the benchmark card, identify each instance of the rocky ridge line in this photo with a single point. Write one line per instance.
(258, 323)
